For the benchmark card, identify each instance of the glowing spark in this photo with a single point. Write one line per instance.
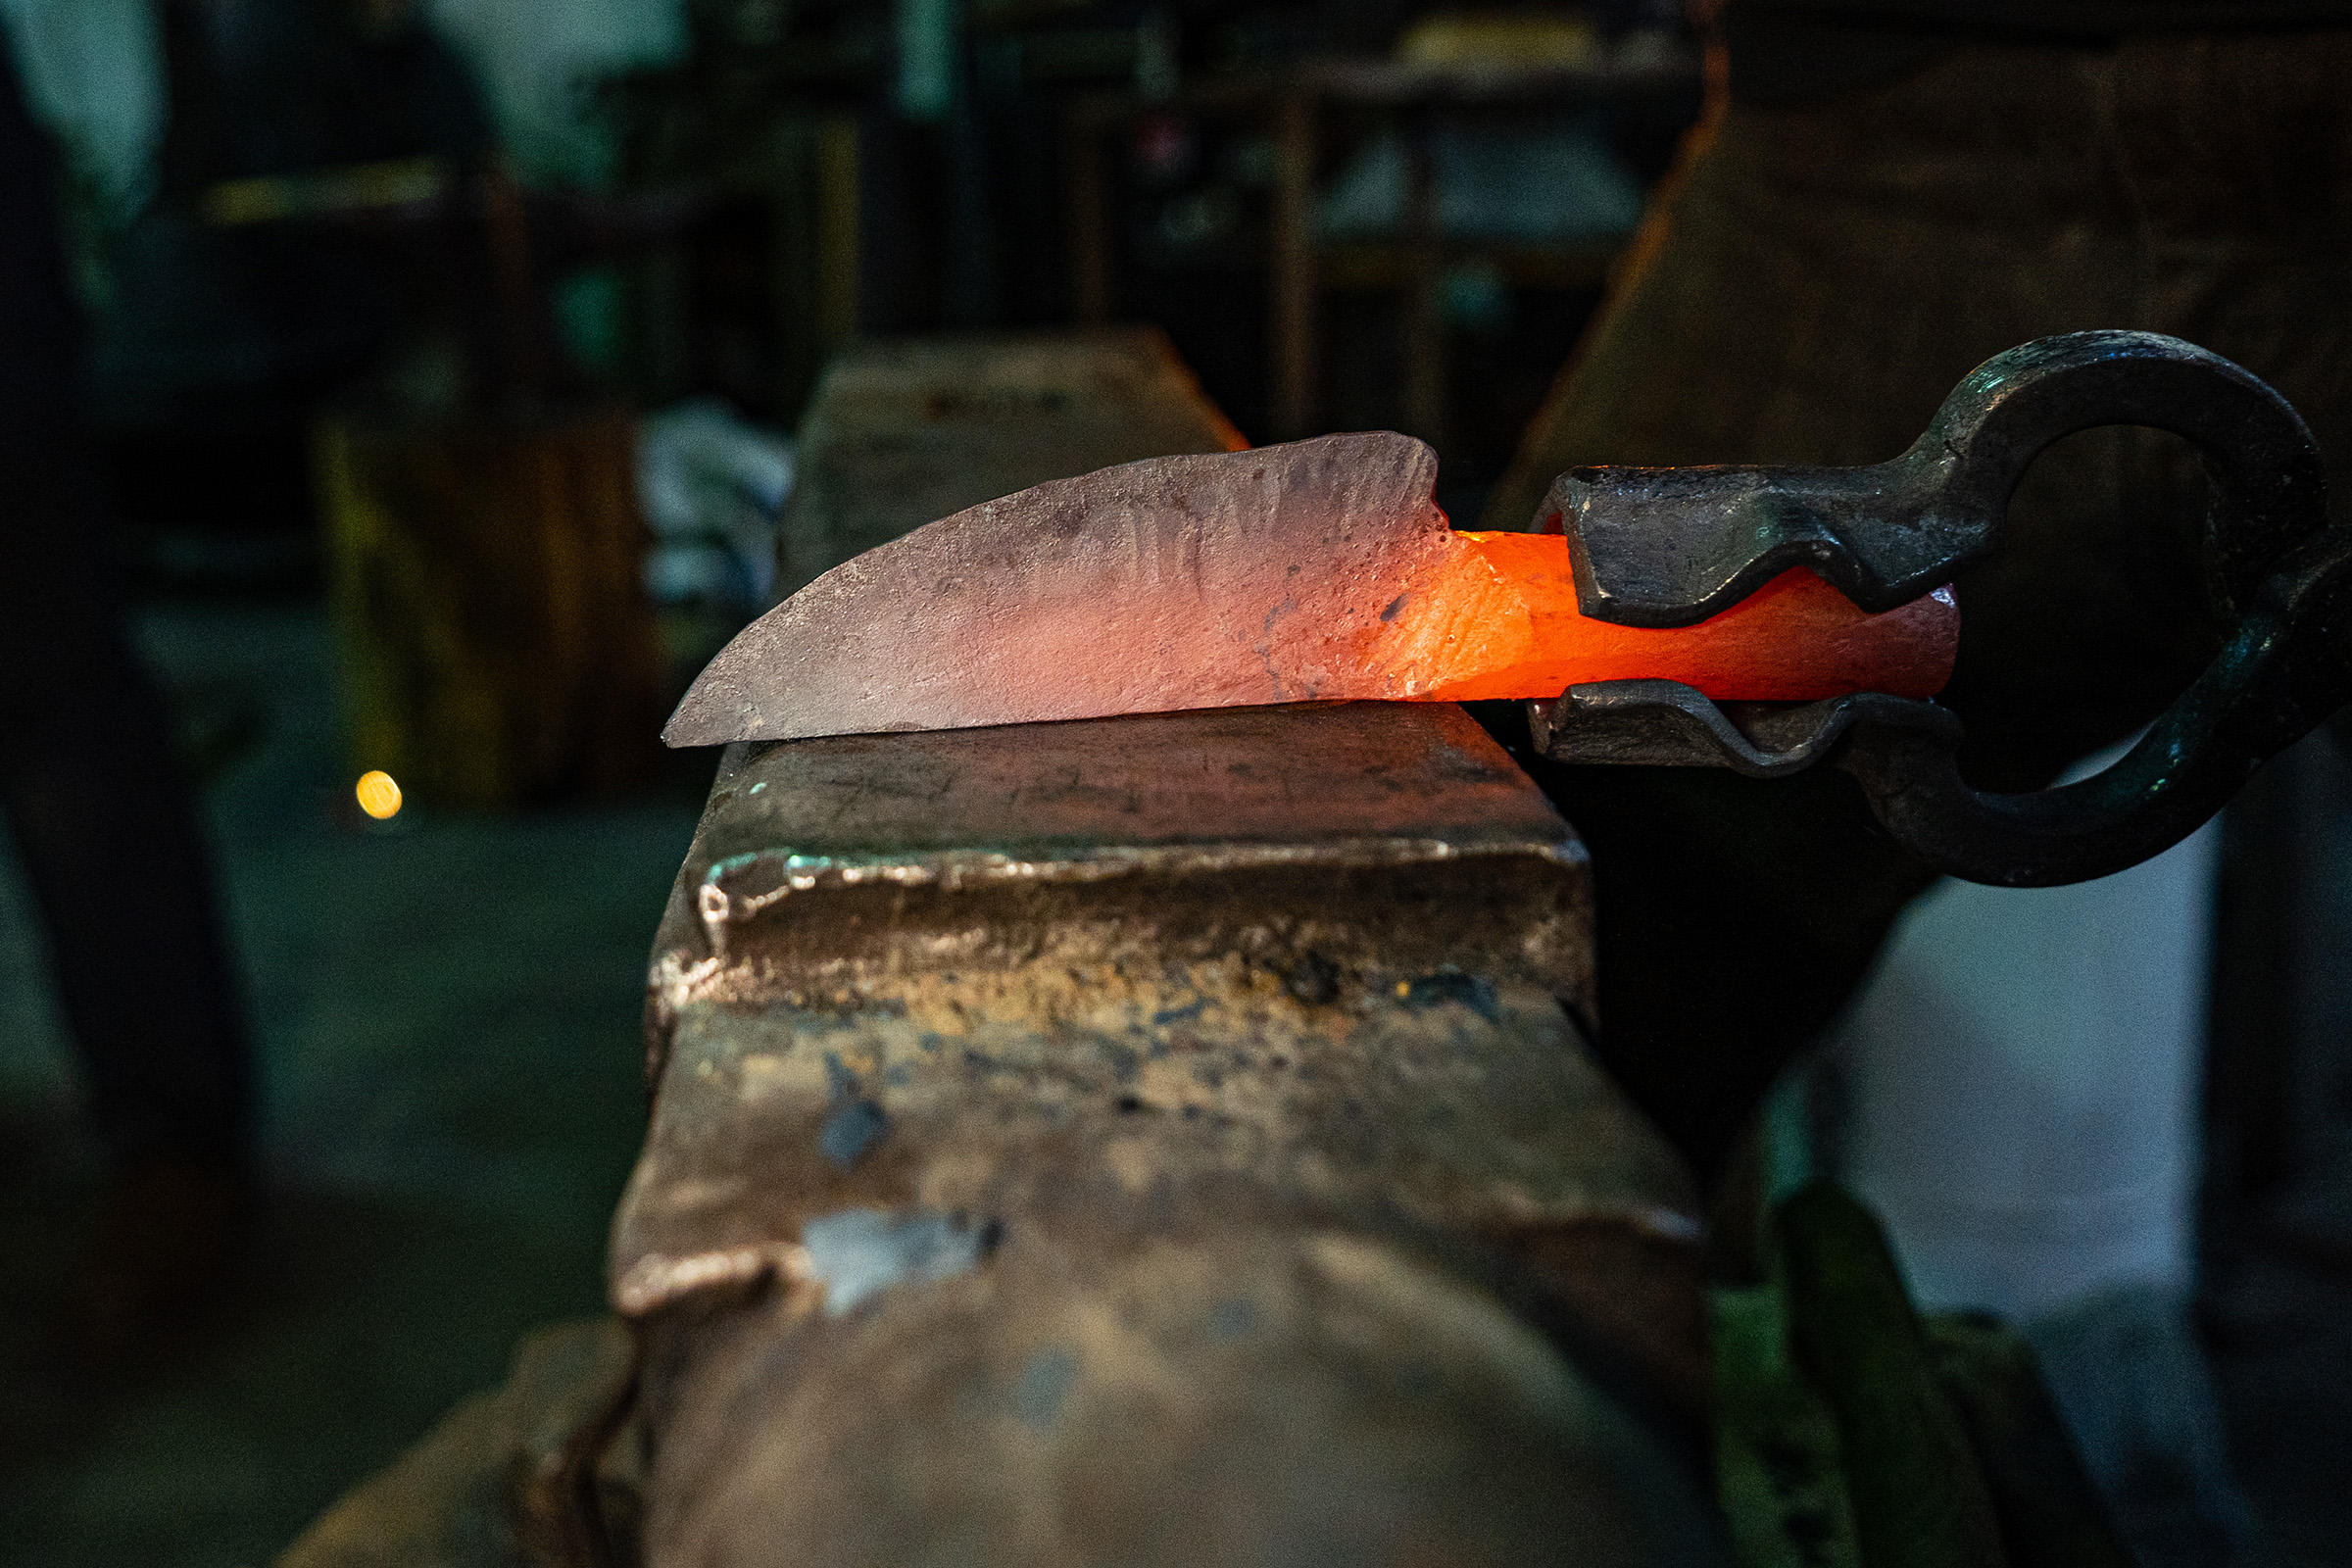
(380, 795)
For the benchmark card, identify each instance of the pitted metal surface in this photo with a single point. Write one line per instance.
(1070, 1130)
(1460, 1103)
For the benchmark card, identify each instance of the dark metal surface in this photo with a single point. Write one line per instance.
(1151, 1140)
(1668, 547)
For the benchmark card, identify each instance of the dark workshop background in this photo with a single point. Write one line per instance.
(349, 379)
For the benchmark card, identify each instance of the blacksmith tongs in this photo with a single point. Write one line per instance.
(1670, 547)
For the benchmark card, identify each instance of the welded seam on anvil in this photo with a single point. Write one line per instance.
(957, 870)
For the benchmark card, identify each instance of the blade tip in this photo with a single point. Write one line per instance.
(687, 729)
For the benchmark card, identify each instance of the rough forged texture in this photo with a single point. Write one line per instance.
(1191, 581)
(1153, 1139)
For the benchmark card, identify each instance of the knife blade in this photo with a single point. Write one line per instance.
(1315, 570)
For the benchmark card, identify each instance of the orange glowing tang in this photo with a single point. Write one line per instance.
(1318, 570)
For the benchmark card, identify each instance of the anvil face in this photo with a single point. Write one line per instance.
(1319, 570)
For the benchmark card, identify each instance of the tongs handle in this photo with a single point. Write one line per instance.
(1663, 547)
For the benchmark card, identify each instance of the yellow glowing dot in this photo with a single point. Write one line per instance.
(379, 796)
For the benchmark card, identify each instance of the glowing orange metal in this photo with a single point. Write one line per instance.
(1500, 620)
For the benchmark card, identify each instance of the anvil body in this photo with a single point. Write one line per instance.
(1156, 1140)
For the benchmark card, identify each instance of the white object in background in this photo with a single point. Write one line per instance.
(712, 487)
(93, 74)
(2020, 1077)
(926, 35)
(535, 59)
